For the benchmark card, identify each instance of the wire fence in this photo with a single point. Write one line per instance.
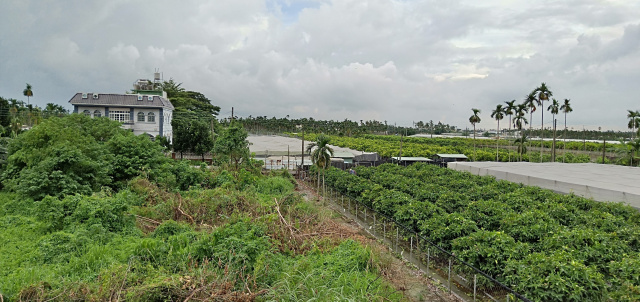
(455, 275)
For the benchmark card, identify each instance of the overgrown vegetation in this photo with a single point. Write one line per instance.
(91, 212)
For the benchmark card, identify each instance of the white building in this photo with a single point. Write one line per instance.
(148, 111)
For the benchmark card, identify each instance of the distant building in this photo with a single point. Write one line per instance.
(447, 158)
(145, 110)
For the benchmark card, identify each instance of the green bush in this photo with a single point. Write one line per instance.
(557, 276)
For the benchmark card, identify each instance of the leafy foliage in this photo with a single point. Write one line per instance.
(76, 154)
(494, 225)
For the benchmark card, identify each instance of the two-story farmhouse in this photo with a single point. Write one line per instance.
(143, 111)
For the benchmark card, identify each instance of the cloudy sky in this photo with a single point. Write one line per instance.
(394, 60)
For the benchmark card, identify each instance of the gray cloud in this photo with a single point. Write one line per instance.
(393, 60)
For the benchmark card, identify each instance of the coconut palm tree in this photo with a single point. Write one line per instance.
(474, 119)
(553, 108)
(321, 153)
(634, 121)
(518, 122)
(566, 108)
(543, 94)
(498, 114)
(510, 110)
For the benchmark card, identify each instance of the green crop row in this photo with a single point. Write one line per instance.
(389, 146)
(548, 246)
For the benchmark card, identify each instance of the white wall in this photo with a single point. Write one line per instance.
(152, 128)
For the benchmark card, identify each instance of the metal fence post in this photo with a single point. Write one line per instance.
(411, 249)
(365, 214)
(374, 223)
(356, 211)
(343, 209)
(475, 280)
(397, 237)
(428, 260)
(384, 228)
(449, 278)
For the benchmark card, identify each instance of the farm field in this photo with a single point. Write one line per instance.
(485, 150)
(546, 246)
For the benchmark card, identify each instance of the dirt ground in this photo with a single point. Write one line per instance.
(402, 275)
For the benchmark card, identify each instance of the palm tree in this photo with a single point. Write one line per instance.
(28, 92)
(566, 108)
(474, 119)
(530, 103)
(321, 153)
(498, 114)
(543, 95)
(510, 110)
(518, 122)
(553, 108)
(634, 121)
(634, 147)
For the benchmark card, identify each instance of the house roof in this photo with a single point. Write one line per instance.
(367, 157)
(407, 158)
(128, 100)
(451, 156)
(338, 154)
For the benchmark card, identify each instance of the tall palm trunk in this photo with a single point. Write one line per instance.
(564, 138)
(509, 132)
(542, 131)
(530, 130)
(474, 142)
(498, 141)
(324, 187)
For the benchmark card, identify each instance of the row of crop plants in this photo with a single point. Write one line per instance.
(389, 146)
(548, 246)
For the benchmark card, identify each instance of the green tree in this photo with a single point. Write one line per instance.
(28, 92)
(634, 121)
(553, 108)
(543, 94)
(193, 101)
(60, 157)
(530, 101)
(498, 114)
(518, 122)
(566, 108)
(233, 145)
(510, 110)
(132, 156)
(192, 133)
(54, 110)
(321, 153)
(474, 119)
(76, 155)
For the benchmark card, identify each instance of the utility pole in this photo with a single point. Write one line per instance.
(232, 114)
(302, 164)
